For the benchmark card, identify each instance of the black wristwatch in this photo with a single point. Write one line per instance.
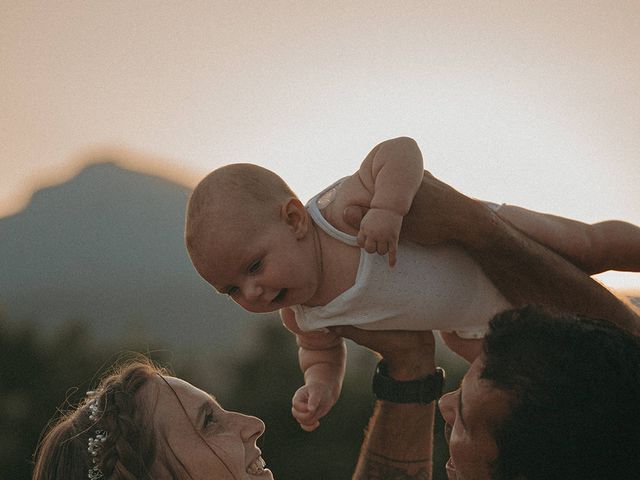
(423, 390)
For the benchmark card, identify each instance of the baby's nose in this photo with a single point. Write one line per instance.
(252, 291)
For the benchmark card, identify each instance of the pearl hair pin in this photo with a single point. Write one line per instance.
(95, 442)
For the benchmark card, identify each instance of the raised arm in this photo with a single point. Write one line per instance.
(524, 271)
(392, 173)
(399, 439)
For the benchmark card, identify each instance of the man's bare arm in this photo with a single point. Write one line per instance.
(398, 443)
(399, 438)
(524, 271)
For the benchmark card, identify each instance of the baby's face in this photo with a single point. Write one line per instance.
(261, 267)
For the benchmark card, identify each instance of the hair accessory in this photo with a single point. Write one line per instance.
(95, 442)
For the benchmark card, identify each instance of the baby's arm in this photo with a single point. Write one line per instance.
(392, 173)
(610, 245)
(322, 357)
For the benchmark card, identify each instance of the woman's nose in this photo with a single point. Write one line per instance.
(250, 427)
(447, 407)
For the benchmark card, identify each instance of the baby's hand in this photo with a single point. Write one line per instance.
(379, 232)
(310, 403)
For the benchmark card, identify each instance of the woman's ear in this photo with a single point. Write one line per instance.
(296, 217)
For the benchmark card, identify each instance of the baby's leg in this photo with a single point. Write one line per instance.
(609, 245)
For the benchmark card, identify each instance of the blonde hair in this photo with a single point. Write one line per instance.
(257, 190)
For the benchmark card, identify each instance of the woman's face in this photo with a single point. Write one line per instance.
(206, 440)
(471, 414)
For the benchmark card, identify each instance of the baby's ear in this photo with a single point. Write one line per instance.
(296, 216)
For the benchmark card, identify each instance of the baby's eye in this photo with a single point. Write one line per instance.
(232, 290)
(255, 266)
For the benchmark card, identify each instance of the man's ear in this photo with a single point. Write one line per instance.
(296, 217)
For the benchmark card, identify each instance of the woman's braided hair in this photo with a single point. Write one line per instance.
(129, 449)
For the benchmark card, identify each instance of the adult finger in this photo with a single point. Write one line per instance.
(353, 215)
(358, 335)
(469, 349)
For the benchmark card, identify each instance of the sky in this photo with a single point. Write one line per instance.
(534, 103)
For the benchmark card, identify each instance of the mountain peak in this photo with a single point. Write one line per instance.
(107, 246)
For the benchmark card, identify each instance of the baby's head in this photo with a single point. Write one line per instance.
(240, 196)
(237, 216)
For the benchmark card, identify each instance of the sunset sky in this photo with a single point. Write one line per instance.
(535, 103)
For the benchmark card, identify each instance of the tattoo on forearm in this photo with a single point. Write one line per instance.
(380, 467)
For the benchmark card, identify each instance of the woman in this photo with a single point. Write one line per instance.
(142, 423)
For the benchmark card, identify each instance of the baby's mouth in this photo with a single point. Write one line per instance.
(281, 294)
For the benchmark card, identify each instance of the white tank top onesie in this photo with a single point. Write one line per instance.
(430, 288)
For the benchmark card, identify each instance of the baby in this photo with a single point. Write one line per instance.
(251, 238)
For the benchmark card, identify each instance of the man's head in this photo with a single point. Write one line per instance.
(566, 395)
(247, 235)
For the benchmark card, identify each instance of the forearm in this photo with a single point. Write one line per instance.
(524, 271)
(398, 443)
(393, 170)
(325, 367)
(399, 439)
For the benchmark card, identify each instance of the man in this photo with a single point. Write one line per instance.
(497, 400)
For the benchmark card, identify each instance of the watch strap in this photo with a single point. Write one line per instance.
(422, 390)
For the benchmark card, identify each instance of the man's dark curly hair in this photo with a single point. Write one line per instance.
(575, 385)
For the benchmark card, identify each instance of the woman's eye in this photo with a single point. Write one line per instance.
(255, 266)
(212, 423)
(208, 419)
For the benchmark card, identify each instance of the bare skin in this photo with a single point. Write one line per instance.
(274, 267)
(441, 214)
